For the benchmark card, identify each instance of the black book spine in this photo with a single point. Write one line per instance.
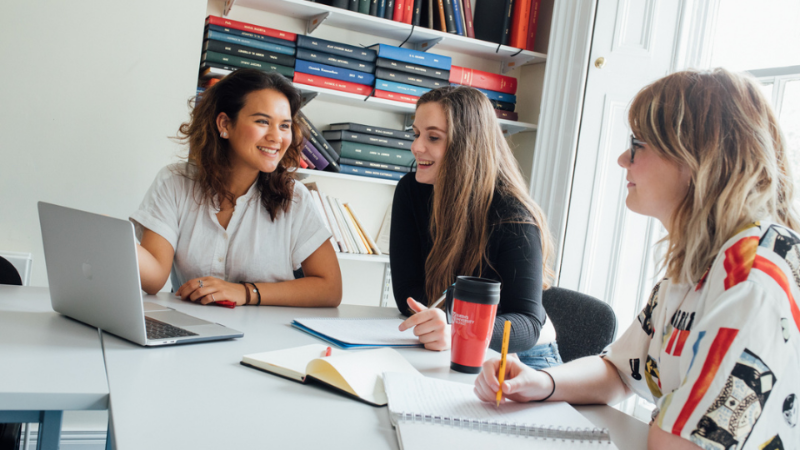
(417, 12)
(377, 131)
(488, 20)
(389, 10)
(374, 165)
(320, 143)
(407, 78)
(413, 68)
(249, 35)
(505, 106)
(507, 22)
(367, 139)
(336, 48)
(449, 17)
(340, 4)
(249, 52)
(373, 7)
(333, 60)
(352, 5)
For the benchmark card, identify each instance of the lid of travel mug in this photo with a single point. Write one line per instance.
(477, 290)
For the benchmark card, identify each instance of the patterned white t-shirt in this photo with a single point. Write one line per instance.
(253, 248)
(721, 359)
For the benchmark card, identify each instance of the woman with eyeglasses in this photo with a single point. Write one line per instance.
(717, 347)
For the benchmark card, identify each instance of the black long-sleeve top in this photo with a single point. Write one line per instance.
(514, 251)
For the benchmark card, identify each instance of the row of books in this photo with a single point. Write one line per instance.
(347, 233)
(385, 71)
(507, 22)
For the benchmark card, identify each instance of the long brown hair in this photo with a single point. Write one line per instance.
(477, 164)
(720, 126)
(209, 154)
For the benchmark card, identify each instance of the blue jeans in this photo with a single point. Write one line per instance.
(541, 356)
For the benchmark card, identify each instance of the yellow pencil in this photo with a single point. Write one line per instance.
(502, 374)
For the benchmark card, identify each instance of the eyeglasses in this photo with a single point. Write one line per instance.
(635, 143)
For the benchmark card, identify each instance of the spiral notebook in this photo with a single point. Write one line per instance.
(430, 413)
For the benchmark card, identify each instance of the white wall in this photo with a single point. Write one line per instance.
(90, 92)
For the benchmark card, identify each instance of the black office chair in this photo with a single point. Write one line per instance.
(584, 325)
(9, 432)
(8, 273)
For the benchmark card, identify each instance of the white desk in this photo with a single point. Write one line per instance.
(48, 363)
(198, 396)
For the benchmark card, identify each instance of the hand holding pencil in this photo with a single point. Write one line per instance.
(504, 352)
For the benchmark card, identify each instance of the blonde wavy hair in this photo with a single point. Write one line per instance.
(477, 165)
(720, 126)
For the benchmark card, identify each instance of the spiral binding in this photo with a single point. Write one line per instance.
(591, 435)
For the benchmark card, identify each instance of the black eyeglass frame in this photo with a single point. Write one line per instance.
(634, 143)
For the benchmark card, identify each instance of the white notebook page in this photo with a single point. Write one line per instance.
(362, 331)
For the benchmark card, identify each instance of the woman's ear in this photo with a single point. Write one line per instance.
(223, 123)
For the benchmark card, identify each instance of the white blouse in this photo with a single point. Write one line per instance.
(253, 248)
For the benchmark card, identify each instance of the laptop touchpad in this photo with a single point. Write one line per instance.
(176, 318)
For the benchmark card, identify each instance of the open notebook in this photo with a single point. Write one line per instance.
(430, 413)
(354, 373)
(358, 332)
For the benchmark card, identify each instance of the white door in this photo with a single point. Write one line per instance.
(606, 248)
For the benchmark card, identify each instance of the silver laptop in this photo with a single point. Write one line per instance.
(93, 272)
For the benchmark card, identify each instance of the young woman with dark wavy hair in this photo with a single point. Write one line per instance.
(717, 347)
(231, 224)
(467, 211)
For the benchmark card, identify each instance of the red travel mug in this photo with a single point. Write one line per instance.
(471, 309)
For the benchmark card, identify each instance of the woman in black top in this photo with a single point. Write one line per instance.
(466, 211)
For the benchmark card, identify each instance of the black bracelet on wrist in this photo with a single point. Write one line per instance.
(247, 292)
(255, 289)
(554, 387)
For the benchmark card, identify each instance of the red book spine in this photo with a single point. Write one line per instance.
(214, 20)
(309, 164)
(329, 83)
(532, 24)
(483, 80)
(396, 97)
(508, 115)
(468, 18)
(519, 25)
(399, 11)
(408, 16)
(301, 161)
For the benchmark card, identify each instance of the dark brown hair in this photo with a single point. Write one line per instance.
(209, 154)
(477, 164)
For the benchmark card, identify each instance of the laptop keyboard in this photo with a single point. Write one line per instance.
(160, 330)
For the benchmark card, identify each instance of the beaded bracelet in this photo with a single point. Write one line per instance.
(554, 386)
(255, 289)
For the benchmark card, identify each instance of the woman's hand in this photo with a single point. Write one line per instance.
(430, 325)
(212, 290)
(521, 384)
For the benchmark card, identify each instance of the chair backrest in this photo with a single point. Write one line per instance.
(584, 325)
(8, 273)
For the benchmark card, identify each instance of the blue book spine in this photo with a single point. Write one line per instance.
(381, 8)
(494, 95)
(457, 14)
(336, 48)
(374, 173)
(414, 57)
(400, 88)
(254, 36)
(337, 73)
(224, 37)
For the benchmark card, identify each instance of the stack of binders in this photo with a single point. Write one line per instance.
(229, 45)
(404, 75)
(499, 88)
(371, 151)
(333, 65)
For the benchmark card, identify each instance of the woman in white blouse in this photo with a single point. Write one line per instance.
(231, 224)
(717, 347)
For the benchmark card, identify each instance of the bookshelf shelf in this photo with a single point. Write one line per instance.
(509, 127)
(304, 173)
(383, 259)
(420, 38)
